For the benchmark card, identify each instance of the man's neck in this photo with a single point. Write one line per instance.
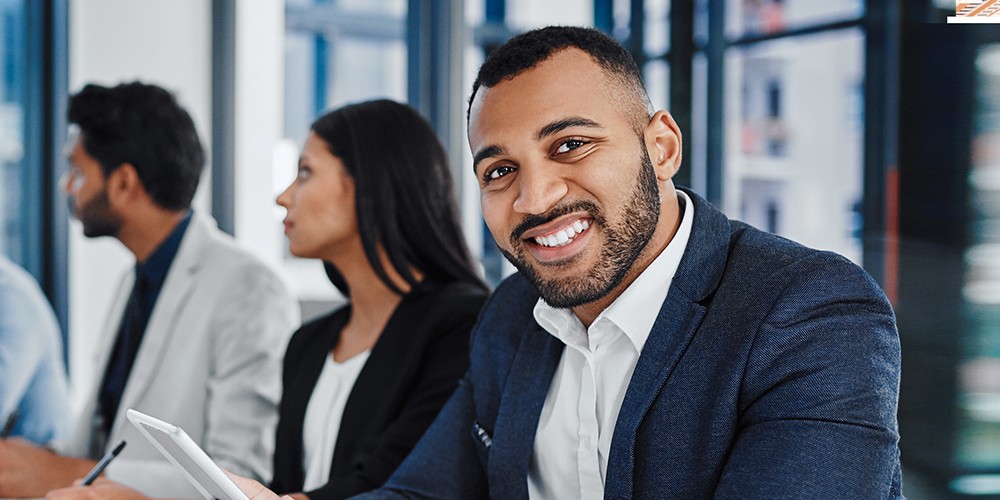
(143, 235)
(666, 227)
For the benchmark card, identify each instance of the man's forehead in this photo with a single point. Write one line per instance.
(567, 83)
(557, 70)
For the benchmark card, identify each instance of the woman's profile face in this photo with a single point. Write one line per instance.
(321, 221)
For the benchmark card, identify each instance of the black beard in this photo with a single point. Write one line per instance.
(625, 240)
(97, 217)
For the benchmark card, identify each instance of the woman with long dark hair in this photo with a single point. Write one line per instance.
(373, 199)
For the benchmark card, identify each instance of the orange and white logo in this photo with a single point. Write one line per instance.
(987, 11)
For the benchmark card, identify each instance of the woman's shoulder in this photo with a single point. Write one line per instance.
(318, 331)
(454, 298)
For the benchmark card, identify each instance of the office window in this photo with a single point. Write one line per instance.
(341, 51)
(14, 181)
(655, 49)
(793, 162)
(32, 129)
(336, 52)
(524, 15)
(778, 116)
(774, 16)
(978, 441)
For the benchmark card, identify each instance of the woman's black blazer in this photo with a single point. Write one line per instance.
(412, 370)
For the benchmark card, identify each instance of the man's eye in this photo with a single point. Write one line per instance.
(498, 172)
(303, 174)
(569, 145)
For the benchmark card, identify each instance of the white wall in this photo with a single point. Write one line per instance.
(265, 161)
(110, 41)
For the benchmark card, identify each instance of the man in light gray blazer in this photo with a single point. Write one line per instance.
(196, 333)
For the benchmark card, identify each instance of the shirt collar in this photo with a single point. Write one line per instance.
(154, 269)
(635, 310)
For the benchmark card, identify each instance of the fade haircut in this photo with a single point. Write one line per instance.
(527, 50)
(142, 125)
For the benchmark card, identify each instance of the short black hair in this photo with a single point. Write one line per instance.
(404, 197)
(527, 50)
(143, 125)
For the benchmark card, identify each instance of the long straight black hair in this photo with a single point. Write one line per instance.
(404, 195)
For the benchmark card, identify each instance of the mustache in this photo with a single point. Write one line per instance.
(532, 220)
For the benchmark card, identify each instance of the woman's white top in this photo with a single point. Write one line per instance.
(323, 415)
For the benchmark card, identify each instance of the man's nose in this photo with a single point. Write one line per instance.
(539, 189)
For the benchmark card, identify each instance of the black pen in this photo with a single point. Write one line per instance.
(8, 427)
(108, 457)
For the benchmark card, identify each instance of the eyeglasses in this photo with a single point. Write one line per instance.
(72, 178)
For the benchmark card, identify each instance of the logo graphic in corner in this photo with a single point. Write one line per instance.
(982, 12)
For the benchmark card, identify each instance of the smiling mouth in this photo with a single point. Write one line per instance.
(563, 236)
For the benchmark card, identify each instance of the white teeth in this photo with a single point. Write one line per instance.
(563, 237)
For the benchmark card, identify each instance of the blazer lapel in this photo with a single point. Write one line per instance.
(674, 327)
(81, 443)
(680, 315)
(520, 407)
(173, 296)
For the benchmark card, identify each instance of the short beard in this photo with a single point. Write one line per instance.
(625, 241)
(97, 216)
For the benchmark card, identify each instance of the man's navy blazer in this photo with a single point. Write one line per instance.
(772, 371)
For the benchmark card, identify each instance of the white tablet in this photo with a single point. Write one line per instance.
(186, 455)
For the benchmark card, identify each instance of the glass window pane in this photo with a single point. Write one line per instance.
(12, 76)
(523, 15)
(336, 52)
(300, 83)
(365, 68)
(657, 79)
(794, 124)
(979, 403)
(769, 16)
(622, 11)
(392, 8)
(657, 14)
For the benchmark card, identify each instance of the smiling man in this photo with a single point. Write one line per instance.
(649, 347)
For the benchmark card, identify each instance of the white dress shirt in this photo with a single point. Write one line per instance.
(323, 415)
(573, 439)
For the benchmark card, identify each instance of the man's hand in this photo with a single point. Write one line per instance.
(255, 490)
(102, 489)
(27, 470)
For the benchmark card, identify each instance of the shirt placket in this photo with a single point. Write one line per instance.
(591, 483)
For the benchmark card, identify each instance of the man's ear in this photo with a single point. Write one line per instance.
(123, 186)
(663, 141)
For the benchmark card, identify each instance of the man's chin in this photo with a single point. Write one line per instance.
(566, 292)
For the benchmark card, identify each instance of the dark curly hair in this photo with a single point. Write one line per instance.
(527, 50)
(142, 125)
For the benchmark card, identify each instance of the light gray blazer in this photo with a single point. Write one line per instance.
(209, 362)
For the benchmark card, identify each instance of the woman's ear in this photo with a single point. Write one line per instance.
(663, 142)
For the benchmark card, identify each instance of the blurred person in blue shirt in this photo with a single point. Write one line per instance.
(32, 374)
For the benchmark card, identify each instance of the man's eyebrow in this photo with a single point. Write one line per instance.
(565, 123)
(487, 152)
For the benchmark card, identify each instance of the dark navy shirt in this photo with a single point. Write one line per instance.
(149, 278)
(154, 270)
